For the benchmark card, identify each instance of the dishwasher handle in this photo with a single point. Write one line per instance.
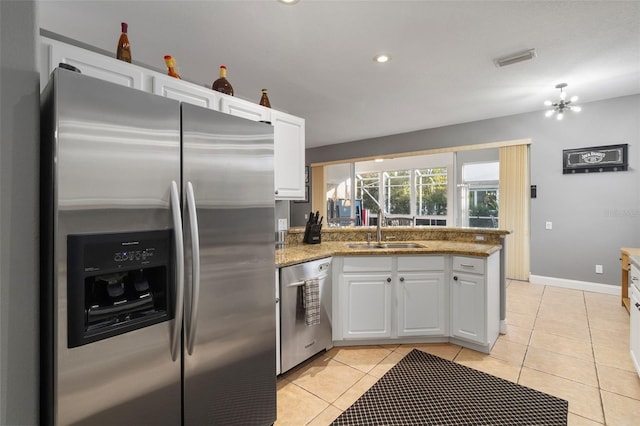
(301, 283)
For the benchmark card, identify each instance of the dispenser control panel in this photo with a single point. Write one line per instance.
(118, 282)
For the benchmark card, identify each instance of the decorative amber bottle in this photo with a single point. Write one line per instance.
(123, 52)
(264, 100)
(222, 85)
(171, 65)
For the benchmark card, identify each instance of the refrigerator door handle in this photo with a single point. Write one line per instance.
(179, 242)
(195, 268)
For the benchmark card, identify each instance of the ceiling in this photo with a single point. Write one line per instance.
(316, 57)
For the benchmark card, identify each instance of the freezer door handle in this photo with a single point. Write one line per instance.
(195, 268)
(179, 242)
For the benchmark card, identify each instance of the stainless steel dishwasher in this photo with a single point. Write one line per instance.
(298, 340)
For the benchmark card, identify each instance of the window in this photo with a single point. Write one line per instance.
(368, 190)
(410, 190)
(480, 183)
(397, 192)
(431, 192)
(419, 193)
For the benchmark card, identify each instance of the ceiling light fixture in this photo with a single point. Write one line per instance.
(381, 58)
(562, 105)
(514, 58)
(289, 1)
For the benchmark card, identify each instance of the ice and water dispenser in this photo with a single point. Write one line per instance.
(117, 282)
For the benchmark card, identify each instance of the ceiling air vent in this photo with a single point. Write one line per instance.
(514, 58)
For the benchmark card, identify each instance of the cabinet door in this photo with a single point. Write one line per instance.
(289, 156)
(277, 321)
(179, 90)
(244, 109)
(468, 307)
(634, 338)
(421, 304)
(366, 306)
(91, 63)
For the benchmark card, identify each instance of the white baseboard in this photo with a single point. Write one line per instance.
(575, 285)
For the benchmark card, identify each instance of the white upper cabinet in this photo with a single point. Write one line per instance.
(245, 109)
(89, 63)
(289, 136)
(173, 88)
(289, 156)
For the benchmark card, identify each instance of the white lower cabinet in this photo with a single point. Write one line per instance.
(277, 283)
(366, 310)
(430, 298)
(467, 307)
(634, 314)
(421, 304)
(421, 296)
(391, 296)
(475, 298)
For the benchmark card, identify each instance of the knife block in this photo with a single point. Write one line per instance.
(312, 234)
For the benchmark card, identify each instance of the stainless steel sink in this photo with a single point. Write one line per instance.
(384, 245)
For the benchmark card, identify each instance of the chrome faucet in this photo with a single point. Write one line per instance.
(379, 227)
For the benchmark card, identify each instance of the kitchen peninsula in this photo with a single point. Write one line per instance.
(462, 241)
(415, 285)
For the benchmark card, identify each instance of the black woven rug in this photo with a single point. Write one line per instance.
(423, 389)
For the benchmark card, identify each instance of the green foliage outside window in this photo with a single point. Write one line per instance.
(430, 191)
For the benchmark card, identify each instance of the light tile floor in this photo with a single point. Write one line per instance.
(568, 343)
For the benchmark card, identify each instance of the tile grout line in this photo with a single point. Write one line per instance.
(595, 364)
(533, 328)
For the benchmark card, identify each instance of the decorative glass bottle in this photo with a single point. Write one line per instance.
(123, 52)
(264, 100)
(171, 65)
(222, 85)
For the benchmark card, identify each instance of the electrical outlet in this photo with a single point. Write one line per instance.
(548, 225)
(282, 224)
(479, 237)
(599, 269)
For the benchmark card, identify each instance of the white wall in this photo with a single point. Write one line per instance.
(593, 215)
(19, 141)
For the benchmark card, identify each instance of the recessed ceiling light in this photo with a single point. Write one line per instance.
(379, 160)
(381, 58)
(289, 1)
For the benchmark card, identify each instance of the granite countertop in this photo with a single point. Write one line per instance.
(300, 253)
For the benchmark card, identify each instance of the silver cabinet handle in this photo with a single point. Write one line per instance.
(467, 265)
(179, 243)
(195, 268)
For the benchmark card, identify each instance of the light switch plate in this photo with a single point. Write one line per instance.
(548, 225)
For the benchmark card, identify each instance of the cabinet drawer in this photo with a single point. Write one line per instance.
(420, 263)
(474, 265)
(367, 264)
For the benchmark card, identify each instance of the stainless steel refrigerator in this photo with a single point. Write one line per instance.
(157, 260)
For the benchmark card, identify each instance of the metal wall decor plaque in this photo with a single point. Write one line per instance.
(609, 158)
